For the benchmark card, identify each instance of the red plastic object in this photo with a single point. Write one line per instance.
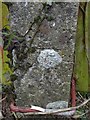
(73, 92)
(1, 52)
(20, 109)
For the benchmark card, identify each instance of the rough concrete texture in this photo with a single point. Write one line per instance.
(55, 30)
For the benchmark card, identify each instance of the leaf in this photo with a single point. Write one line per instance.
(4, 12)
(0, 64)
(81, 68)
(7, 72)
(87, 37)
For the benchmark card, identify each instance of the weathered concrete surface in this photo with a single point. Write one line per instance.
(37, 84)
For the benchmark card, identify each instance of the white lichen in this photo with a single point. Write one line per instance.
(49, 58)
(14, 57)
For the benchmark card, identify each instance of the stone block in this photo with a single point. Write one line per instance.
(48, 77)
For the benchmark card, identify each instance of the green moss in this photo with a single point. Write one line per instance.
(50, 18)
